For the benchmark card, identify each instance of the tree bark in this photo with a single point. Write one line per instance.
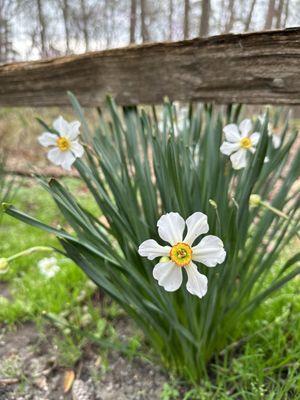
(204, 20)
(249, 18)
(42, 28)
(186, 27)
(253, 68)
(270, 15)
(2, 40)
(132, 21)
(230, 20)
(279, 16)
(286, 12)
(171, 11)
(107, 29)
(66, 15)
(85, 25)
(144, 28)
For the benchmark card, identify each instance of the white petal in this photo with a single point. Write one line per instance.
(77, 149)
(73, 129)
(68, 159)
(171, 227)
(169, 275)
(47, 261)
(210, 251)
(266, 159)
(196, 226)
(61, 126)
(196, 283)
(255, 138)
(47, 139)
(239, 159)
(245, 127)
(232, 133)
(276, 141)
(228, 148)
(55, 156)
(151, 249)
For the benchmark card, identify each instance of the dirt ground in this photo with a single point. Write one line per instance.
(29, 371)
(30, 368)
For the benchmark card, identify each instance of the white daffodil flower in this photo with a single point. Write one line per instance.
(239, 142)
(276, 139)
(168, 272)
(48, 267)
(65, 146)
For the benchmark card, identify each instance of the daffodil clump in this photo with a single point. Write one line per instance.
(199, 198)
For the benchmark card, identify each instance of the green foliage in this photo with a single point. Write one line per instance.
(264, 364)
(29, 292)
(169, 392)
(136, 172)
(6, 183)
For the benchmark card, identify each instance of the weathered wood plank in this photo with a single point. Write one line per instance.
(257, 68)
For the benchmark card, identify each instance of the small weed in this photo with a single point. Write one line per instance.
(169, 392)
(11, 367)
(68, 351)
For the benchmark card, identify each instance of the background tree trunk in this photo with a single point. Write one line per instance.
(85, 25)
(249, 18)
(171, 11)
(42, 28)
(231, 16)
(204, 20)
(270, 14)
(66, 15)
(286, 12)
(186, 21)
(279, 13)
(132, 21)
(144, 28)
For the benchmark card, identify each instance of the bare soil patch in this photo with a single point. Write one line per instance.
(29, 370)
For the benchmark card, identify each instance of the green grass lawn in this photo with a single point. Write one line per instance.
(31, 292)
(264, 365)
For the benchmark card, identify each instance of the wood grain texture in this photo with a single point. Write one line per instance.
(253, 68)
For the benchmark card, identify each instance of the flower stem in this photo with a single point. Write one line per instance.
(29, 251)
(274, 210)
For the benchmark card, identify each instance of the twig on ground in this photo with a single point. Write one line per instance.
(8, 381)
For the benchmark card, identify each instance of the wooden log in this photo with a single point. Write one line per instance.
(253, 68)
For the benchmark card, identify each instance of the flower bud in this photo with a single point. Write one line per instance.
(213, 203)
(254, 200)
(3, 265)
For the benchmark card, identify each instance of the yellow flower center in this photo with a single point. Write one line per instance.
(63, 143)
(181, 254)
(246, 143)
